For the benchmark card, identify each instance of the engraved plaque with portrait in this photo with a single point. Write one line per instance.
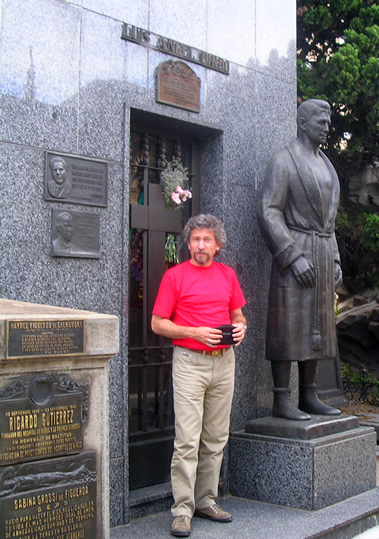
(76, 180)
(41, 416)
(75, 234)
(52, 498)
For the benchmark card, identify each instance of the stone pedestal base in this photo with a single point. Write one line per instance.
(324, 462)
(54, 420)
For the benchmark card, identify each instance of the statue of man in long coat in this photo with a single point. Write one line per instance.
(296, 214)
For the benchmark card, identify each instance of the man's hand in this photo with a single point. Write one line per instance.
(239, 332)
(208, 336)
(303, 272)
(162, 326)
(239, 321)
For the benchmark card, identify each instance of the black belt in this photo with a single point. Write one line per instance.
(214, 353)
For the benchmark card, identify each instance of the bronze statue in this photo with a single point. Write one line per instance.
(296, 215)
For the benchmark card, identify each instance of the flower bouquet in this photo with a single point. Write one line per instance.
(174, 180)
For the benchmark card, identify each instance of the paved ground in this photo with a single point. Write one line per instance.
(255, 520)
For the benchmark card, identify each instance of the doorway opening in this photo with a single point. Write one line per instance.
(151, 416)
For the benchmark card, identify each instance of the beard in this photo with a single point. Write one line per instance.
(201, 257)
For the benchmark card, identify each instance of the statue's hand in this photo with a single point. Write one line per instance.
(337, 275)
(303, 272)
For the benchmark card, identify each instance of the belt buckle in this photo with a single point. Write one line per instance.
(216, 353)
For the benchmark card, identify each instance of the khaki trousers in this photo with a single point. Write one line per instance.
(203, 391)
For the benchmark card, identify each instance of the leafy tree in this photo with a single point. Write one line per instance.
(358, 240)
(338, 60)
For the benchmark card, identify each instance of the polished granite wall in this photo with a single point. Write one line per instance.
(68, 84)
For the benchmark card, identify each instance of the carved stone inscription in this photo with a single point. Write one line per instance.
(75, 180)
(178, 85)
(45, 338)
(49, 499)
(41, 417)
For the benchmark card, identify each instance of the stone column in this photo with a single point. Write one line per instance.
(54, 422)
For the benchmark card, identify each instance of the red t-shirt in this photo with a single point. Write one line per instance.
(198, 296)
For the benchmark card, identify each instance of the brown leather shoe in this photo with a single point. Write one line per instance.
(181, 526)
(214, 512)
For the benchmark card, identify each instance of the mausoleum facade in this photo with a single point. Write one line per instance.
(96, 98)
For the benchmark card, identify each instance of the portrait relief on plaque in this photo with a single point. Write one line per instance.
(60, 185)
(75, 180)
(48, 479)
(178, 85)
(75, 234)
(41, 417)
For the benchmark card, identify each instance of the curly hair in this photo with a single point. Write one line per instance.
(205, 221)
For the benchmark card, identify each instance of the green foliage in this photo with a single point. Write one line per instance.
(338, 60)
(370, 232)
(358, 242)
(345, 70)
(318, 17)
(171, 250)
(373, 396)
(360, 385)
(346, 372)
(361, 377)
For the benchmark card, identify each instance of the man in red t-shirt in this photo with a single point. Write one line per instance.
(193, 299)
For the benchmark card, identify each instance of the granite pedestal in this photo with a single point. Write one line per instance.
(54, 420)
(306, 465)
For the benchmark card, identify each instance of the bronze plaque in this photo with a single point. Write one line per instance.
(178, 85)
(41, 417)
(54, 498)
(75, 234)
(45, 338)
(75, 180)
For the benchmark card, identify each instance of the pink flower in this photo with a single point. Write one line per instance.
(176, 198)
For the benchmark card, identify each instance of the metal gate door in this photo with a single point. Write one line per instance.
(151, 417)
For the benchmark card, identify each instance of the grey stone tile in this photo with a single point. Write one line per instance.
(186, 21)
(129, 11)
(39, 73)
(231, 31)
(276, 109)
(276, 40)
(116, 492)
(262, 520)
(307, 475)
